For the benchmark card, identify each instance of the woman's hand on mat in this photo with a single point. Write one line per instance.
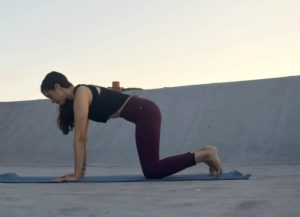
(69, 177)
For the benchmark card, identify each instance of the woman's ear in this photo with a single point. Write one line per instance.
(57, 86)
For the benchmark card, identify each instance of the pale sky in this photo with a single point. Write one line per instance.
(147, 44)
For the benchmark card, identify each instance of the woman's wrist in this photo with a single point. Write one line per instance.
(78, 175)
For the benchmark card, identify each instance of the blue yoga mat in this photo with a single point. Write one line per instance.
(14, 178)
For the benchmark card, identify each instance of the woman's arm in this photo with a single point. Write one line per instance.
(79, 159)
(81, 108)
(85, 153)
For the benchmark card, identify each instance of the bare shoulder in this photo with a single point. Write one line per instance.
(83, 93)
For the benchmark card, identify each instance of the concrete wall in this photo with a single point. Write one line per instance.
(250, 122)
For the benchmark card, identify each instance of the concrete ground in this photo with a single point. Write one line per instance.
(271, 191)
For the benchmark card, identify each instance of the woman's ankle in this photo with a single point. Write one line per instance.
(200, 156)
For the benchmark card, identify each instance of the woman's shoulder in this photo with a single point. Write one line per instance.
(78, 85)
(92, 87)
(89, 85)
(85, 90)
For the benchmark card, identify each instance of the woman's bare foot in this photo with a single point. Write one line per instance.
(209, 155)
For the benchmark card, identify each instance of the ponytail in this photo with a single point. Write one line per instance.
(65, 120)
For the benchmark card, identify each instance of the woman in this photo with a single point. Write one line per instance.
(78, 105)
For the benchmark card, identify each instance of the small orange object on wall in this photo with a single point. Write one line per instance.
(116, 86)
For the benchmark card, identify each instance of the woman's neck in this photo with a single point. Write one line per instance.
(69, 92)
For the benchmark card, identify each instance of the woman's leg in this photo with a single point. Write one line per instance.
(147, 141)
(146, 115)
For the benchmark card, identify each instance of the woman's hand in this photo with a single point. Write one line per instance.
(69, 177)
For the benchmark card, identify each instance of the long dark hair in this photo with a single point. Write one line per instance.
(65, 120)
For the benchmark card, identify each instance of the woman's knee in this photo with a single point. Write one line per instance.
(153, 174)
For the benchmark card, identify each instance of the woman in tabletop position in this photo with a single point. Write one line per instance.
(81, 103)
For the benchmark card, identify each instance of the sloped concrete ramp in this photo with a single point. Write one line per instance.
(255, 125)
(250, 122)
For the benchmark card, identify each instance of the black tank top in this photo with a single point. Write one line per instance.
(104, 104)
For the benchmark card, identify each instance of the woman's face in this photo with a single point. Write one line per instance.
(56, 96)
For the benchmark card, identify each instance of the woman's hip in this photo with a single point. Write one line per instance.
(138, 109)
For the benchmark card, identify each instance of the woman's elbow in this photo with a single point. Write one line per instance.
(81, 140)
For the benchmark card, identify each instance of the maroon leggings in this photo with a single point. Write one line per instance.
(145, 114)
